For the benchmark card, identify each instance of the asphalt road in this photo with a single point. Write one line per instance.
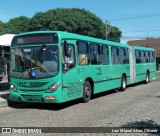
(138, 106)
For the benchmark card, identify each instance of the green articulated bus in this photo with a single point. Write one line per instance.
(55, 66)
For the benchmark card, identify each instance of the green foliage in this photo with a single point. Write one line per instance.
(73, 20)
(2, 28)
(38, 22)
(18, 25)
(114, 34)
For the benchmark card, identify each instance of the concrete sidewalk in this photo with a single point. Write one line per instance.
(4, 94)
(4, 99)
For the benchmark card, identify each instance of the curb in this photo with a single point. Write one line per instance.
(8, 102)
(5, 100)
(3, 103)
(154, 78)
(4, 97)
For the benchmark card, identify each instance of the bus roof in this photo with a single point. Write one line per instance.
(67, 35)
(143, 48)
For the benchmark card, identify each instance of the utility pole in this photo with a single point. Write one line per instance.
(108, 27)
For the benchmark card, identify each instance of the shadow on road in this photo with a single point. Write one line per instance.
(5, 96)
(61, 106)
(43, 106)
(53, 106)
(151, 125)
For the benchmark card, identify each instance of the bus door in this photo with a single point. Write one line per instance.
(71, 77)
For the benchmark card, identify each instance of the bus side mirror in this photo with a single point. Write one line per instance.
(69, 52)
(68, 49)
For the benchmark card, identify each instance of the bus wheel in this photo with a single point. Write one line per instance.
(87, 91)
(147, 78)
(123, 84)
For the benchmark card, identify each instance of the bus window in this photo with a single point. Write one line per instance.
(122, 55)
(151, 56)
(105, 55)
(68, 60)
(83, 53)
(143, 56)
(138, 57)
(154, 57)
(147, 57)
(42, 59)
(127, 56)
(95, 51)
(115, 55)
(48, 57)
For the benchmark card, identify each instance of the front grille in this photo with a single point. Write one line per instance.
(37, 84)
(32, 97)
(31, 90)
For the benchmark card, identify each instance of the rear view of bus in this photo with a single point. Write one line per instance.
(34, 68)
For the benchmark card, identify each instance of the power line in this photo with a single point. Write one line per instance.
(134, 37)
(136, 17)
(138, 37)
(142, 31)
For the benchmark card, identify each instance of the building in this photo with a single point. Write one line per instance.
(150, 42)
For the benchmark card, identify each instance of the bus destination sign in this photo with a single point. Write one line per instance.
(35, 39)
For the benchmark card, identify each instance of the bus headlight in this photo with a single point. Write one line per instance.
(53, 87)
(13, 88)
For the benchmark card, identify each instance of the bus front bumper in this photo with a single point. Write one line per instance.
(33, 97)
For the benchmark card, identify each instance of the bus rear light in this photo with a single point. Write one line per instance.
(50, 98)
(13, 88)
(53, 87)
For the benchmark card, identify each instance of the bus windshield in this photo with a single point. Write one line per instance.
(34, 62)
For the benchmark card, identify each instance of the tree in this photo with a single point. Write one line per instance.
(39, 22)
(114, 34)
(2, 28)
(72, 20)
(17, 25)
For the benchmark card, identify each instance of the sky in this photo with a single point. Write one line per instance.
(137, 19)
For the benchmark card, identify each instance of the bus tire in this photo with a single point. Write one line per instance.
(147, 78)
(123, 83)
(87, 91)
